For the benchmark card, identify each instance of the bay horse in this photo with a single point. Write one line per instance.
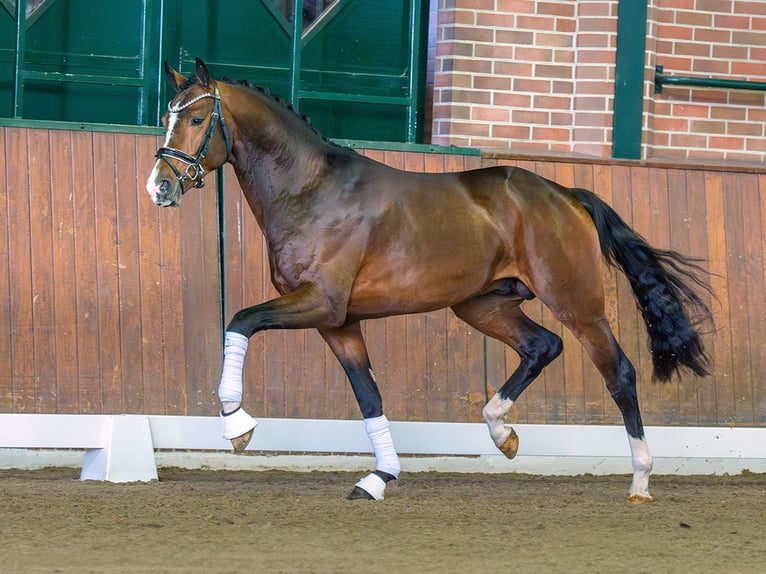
(351, 239)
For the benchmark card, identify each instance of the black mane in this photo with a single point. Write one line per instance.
(263, 90)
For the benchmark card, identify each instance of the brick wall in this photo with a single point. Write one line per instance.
(714, 38)
(523, 75)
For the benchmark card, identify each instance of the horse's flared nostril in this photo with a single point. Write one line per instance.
(164, 193)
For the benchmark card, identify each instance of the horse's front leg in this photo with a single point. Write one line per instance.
(348, 345)
(304, 308)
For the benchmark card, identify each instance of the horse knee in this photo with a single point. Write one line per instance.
(543, 349)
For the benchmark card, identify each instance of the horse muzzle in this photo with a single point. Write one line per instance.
(164, 192)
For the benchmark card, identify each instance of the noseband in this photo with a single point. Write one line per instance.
(194, 171)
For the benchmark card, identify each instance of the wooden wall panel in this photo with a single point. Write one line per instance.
(109, 304)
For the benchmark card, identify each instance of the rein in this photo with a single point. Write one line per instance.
(194, 171)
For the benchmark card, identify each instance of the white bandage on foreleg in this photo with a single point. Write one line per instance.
(386, 458)
(234, 351)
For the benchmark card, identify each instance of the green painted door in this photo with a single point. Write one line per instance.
(353, 66)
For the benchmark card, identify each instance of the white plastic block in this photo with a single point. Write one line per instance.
(128, 453)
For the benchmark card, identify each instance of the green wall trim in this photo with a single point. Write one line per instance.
(629, 79)
(411, 147)
(149, 130)
(80, 126)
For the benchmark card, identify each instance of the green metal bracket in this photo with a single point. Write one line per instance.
(660, 80)
(629, 79)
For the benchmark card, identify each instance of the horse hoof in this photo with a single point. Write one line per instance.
(359, 494)
(239, 444)
(635, 499)
(511, 445)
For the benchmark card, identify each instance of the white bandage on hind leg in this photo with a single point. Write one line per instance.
(386, 458)
(234, 351)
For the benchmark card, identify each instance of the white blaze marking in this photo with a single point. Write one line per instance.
(152, 183)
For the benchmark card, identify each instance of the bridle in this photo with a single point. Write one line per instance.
(194, 170)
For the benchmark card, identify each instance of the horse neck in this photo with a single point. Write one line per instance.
(276, 154)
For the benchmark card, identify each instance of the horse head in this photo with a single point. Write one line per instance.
(194, 144)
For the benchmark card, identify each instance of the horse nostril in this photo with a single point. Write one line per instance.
(165, 187)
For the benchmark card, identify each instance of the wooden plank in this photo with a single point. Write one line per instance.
(43, 289)
(129, 254)
(745, 290)
(734, 219)
(755, 288)
(108, 271)
(722, 343)
(678, 212)
(759, 392)
(86, 272)
(6, 347)
(704, 387)
(65, 280)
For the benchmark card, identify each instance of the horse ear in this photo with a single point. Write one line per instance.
(176, 79)
(203, 76)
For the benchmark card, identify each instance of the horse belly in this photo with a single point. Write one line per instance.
(417, 286)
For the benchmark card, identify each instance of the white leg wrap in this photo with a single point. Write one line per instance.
(386, 458)
(235, 348)
(236, 423)
(642, 467)
(373, 485)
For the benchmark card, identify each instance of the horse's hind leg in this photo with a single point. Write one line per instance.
(348, 345)
(502, 318)
(620, 377)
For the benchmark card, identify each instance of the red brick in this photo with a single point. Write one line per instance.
(732, 21)
(475, 4)
(711, 66)
(729, 52)
(688, 140)
(690, 110)
(515, 6)
(728, 113)
(723, 6)
(494, 51)
(561, 118)
(530, 117)
(470, 128)
(511, 100)
(566, 25)
(515, 37)
(552, 102)
(712, 35)
(533, 54)
(513, 69)
(510, 131)
(550, 133)
(749, 69)
(590, 103)
(599, 9)
(531, 85)
(755, 144)
(596, 57)
(473, 34)
(490, 114)
(565, 9)
(726, 142)
(498, 83)
(554, 40)
(744, 129)
(535, 23)
(675, 32)
(692, 49)
(552, 71)
(693, 18)
(707, 127)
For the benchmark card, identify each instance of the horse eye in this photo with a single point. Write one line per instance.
(196, 121)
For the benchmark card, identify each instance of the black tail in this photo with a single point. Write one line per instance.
(660, 280)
